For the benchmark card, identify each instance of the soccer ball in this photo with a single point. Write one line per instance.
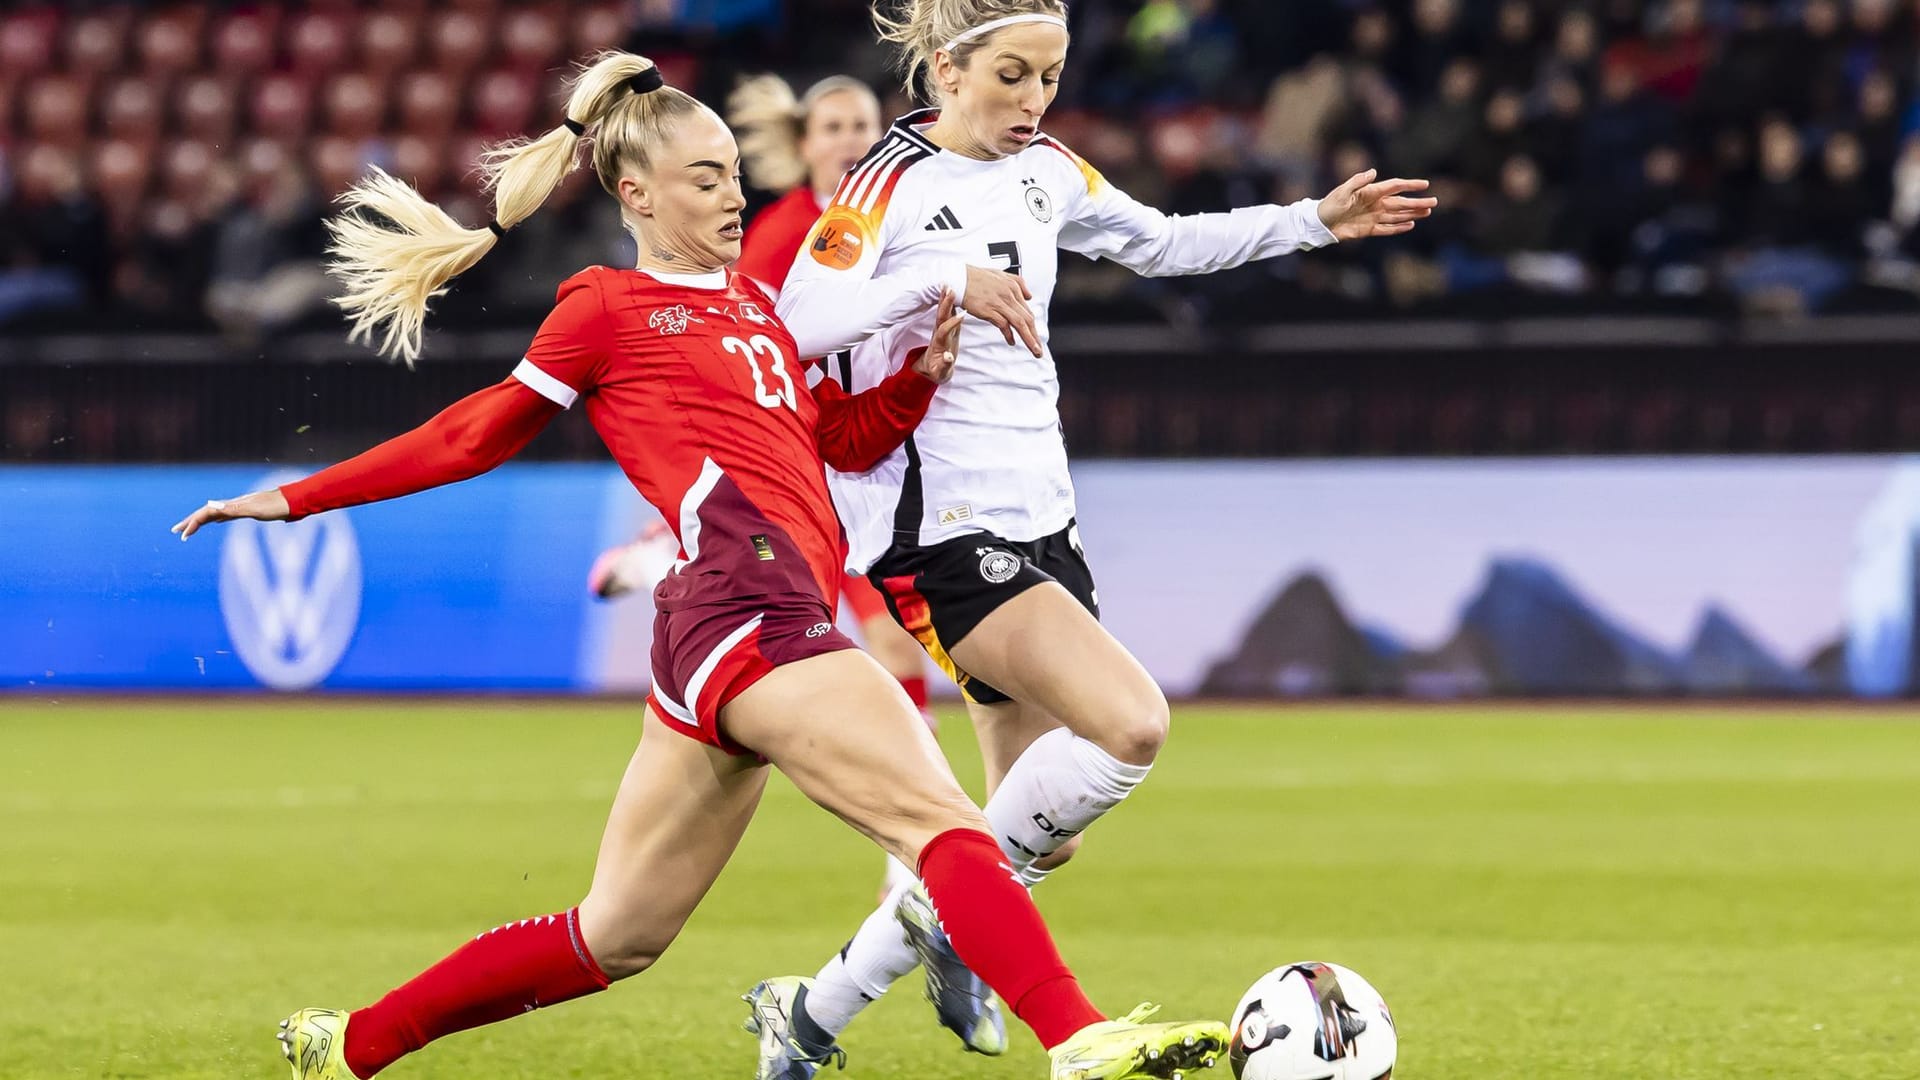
(1312, 1022)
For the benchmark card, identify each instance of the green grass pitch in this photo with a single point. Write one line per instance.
(1540, 892)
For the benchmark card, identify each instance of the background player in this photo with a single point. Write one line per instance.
(970, 528)
(747, 666)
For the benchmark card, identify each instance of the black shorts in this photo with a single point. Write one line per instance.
(940, 593)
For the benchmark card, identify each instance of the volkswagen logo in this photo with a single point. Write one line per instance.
(290, 595)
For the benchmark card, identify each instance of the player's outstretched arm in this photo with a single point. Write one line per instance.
(855, 432)
(471, 436)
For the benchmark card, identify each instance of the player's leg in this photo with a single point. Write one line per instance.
(1004, 731)
(848, 739)
(679, 813)
(900, 655)
(1041, 644)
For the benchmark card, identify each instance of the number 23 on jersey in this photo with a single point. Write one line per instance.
(753, 349)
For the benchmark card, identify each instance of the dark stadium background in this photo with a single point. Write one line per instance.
(1685, 226)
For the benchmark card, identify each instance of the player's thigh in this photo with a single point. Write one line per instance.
(680, 812)
(844, 732)
(1042, 647)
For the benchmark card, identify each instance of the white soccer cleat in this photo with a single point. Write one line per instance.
(777, 1014)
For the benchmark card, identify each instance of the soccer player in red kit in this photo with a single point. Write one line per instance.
(691, 382)
(801, 146)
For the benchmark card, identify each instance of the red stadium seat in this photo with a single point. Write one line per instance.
(428, 105)
(336, 163)
(204, 107)
(503, 103)
(169, 45)
(282, 106)
(356, 105)
(56, 110)
(318, 43)
(388, 41)
(27, 41)
(185, 169)
(459, 42)
(597, 28)
(422, 162)
(530, 40)
(97, 42)
(263, 158)
(131, 109)
(121, 171)
(463, 162)
(243, 43)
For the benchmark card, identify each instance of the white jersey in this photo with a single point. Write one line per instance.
(905, 224)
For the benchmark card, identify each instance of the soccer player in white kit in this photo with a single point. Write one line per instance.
(968, 529)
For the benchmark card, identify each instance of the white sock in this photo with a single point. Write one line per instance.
(877, 956)
(1058, 787)
(898, 874)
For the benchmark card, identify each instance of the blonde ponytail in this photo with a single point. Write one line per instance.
(394, 251)
(771, 123)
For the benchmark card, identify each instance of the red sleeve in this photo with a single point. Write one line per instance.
(774, 238)
(570, 350)
(857, 431)
(468, 438)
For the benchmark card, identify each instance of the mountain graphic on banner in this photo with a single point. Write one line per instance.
(1525, 631)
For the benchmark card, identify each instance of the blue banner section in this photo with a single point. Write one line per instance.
(475, 586)
(1765, 576)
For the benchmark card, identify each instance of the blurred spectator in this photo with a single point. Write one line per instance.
(157, 160)
(54, 251)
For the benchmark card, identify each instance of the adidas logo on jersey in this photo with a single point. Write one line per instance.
(943, 221)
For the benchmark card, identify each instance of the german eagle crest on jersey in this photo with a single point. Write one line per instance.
(1039, 203)
(998, 567)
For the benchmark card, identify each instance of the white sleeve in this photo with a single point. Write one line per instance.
(1108, 223)
(833, 301)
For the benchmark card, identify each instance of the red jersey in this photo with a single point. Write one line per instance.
(775, 235)
(694, 385)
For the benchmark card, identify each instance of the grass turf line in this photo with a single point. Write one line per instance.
(1553, 893)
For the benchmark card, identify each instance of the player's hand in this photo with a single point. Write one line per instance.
(936, 360)
(1001, 299)
(1361, 207)
(260, 506)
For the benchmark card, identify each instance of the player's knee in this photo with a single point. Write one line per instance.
(1139, 727)
(1061, 855)
(620, 946)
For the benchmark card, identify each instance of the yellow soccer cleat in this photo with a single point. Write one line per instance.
(1128, 1048)
(314, 1042)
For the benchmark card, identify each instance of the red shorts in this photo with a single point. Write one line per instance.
(863, 599)
(705, 655)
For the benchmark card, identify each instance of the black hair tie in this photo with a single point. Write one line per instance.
(574, 126)
(494, 228)
(647, 81)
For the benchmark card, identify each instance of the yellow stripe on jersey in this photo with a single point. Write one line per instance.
(1095, 182)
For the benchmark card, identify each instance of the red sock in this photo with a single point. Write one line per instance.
(916, 688)
(502, 973)
(998, 932)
